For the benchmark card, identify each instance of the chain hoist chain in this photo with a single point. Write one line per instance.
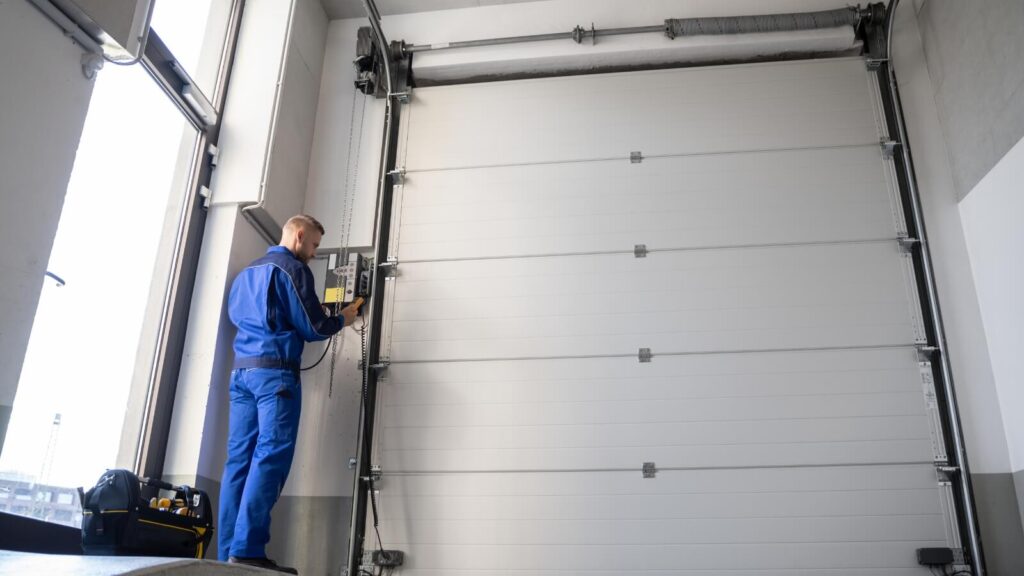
(348, 203)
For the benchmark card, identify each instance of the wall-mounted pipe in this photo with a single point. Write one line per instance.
(674, 27)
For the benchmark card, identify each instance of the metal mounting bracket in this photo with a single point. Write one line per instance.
(382, 365)
(402, 97)
(907, 243)
(636, 157)
(649, 470)
(873, 64)
(214, 153)
(640, 251)
(397, 176)
(644, 355)
(389, 266)
(946, 474)
(207, 195)
(888, 148)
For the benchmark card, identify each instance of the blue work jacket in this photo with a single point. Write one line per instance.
(274, 305)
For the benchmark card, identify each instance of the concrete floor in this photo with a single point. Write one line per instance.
(21, 563)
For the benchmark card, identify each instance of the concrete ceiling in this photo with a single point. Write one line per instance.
(354, 8)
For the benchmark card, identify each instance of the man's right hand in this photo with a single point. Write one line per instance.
(349, 312)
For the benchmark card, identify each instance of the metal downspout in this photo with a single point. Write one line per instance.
(952, 412)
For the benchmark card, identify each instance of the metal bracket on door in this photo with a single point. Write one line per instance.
(888, 148)
(636, 157)
(873, 64)
(907, 243)
(390, 267)
(644, 355)
(397, 176)
(640, 250)
(649, 470)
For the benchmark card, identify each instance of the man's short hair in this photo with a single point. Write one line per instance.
(304, 221)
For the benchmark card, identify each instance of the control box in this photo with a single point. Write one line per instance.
(346, 281)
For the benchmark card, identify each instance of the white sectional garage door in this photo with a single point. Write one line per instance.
(782, 403)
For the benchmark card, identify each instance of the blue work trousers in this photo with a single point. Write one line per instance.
(262, 428)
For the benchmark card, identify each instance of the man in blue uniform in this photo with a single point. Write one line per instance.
(274, 305)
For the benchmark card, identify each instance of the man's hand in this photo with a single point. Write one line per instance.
(349, 312)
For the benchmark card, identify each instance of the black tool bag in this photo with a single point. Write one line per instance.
(117, 521)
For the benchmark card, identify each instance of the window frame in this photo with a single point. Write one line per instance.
(162, 382)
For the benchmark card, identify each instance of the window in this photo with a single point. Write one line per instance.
(195, 32)
(72, 395)
(93, 340)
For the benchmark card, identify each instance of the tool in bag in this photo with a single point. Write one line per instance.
(117, 521)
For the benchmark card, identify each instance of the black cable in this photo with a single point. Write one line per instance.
(376, 520)
(322, 356)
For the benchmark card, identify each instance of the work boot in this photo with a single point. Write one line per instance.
(262, 563)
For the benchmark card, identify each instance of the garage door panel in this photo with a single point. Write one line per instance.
(466, 311)
(808, 106)
(733, 378)
(741, 317)
(666, 532)
(783, 407)
(639, 435)
(678, 373)
(682, 410)
(637, 387)
(915, 571)
(794, 196)
(624, 559)
(781, 178)
(832, 295)
(790, 454)
(896, 478)
(794, 504)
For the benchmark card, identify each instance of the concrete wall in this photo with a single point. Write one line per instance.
(992, 215)
(973, 51)
(43, 102)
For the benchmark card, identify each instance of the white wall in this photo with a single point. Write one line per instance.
(43, 102)
(993, 220)
(267, 132)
